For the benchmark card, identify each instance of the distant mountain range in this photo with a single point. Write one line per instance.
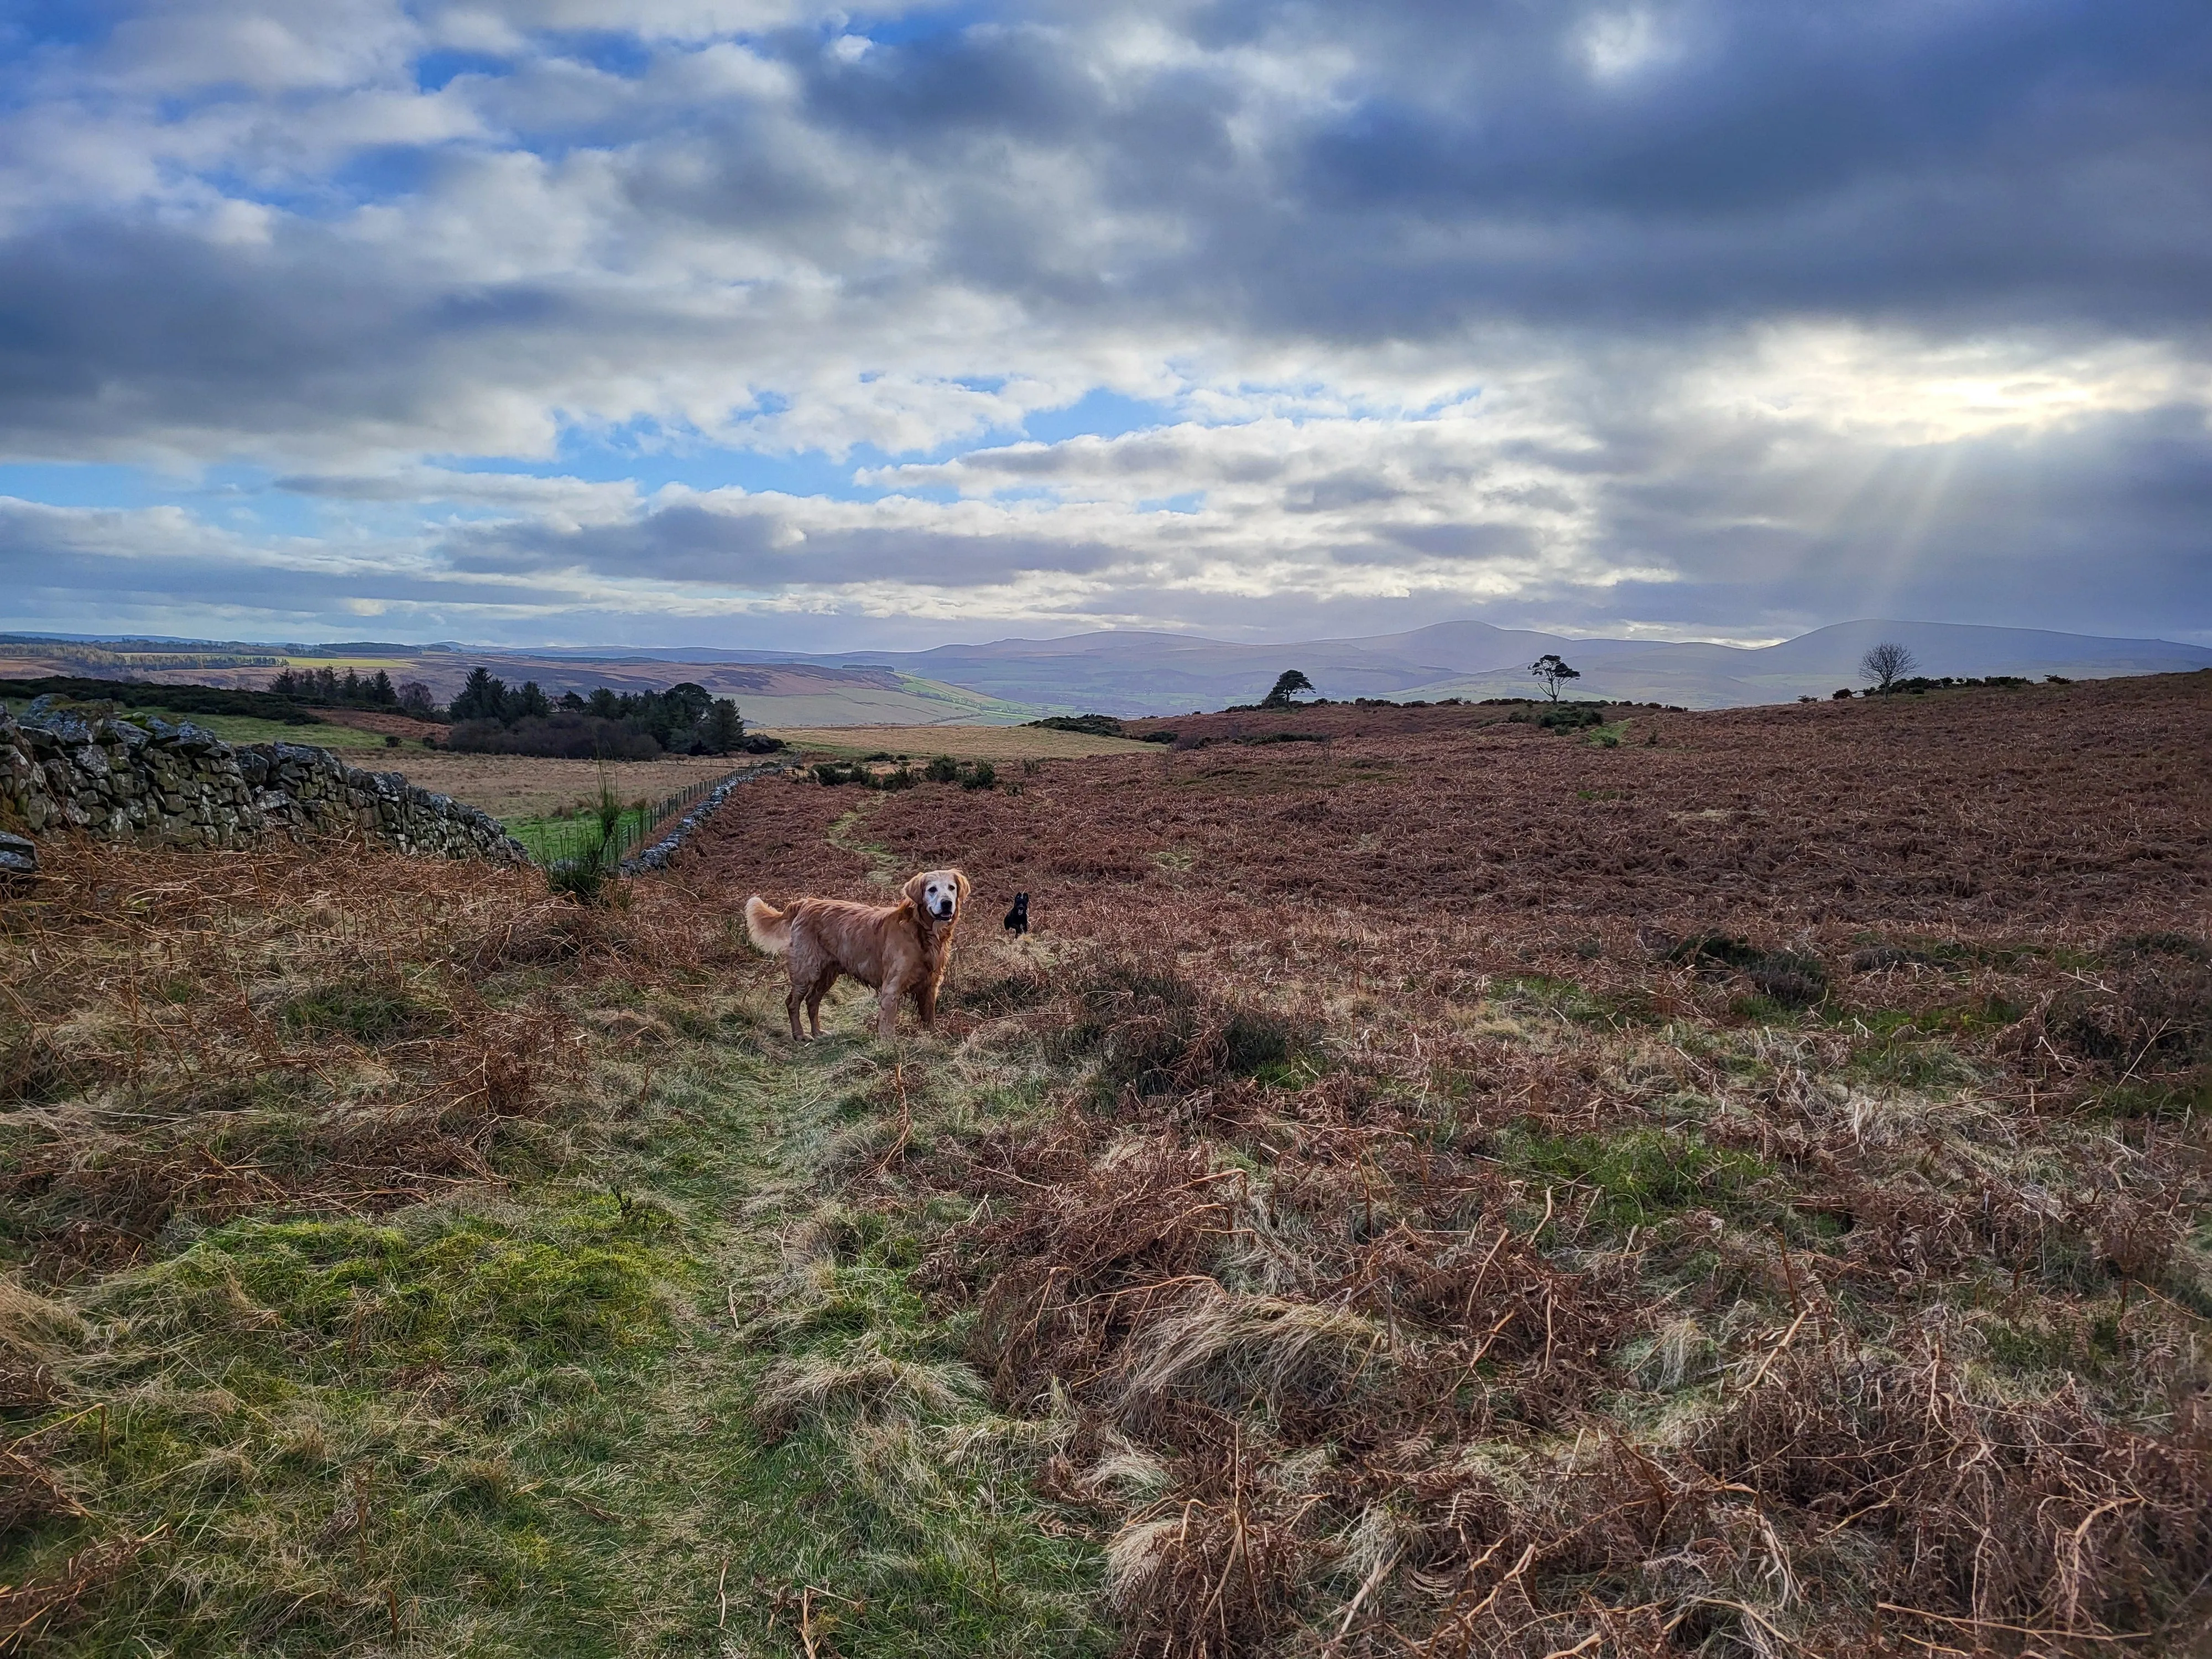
(1148, 673)
(1134, 673)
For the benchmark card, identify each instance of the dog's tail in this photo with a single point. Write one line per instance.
(767, 926)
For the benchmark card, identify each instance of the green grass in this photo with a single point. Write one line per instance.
(603, 1414)
(245, 728)
(335, 1431)
(566, 836)
(367, 1011)
(1568, 1000)
(1641, 1176)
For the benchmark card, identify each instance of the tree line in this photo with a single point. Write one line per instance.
(491, 717)
(326, 688)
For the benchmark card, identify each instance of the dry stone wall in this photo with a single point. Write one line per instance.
(142, 779)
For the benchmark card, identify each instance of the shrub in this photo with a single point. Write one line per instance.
(1570, 716)
(175, 699)
(582, 879)
(1789, 977)
(1094, 725)
(943, 770)
(1157, 1033)
(585, 874)
(981, 775)
(562, 735)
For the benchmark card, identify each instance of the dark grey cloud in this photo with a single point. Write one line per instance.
(766, 547)
(2015, 163)
(1339, 491)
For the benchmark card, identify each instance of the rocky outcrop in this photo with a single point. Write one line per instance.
(135, 777)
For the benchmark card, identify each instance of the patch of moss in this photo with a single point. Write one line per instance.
(367, 1010)
(1641, 1176)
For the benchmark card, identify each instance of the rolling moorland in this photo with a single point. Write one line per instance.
(1132, 673)
(795, 693)
(1726, 1183)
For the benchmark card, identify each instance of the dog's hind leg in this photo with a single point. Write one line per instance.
(827, 978)
(792, 1000)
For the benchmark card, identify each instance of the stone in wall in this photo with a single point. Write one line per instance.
(177, 784)
(19, 862)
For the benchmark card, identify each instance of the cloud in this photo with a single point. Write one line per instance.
(1686, 314)
(571, 501)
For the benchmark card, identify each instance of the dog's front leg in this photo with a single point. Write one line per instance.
(887, 1002)
(924, 1000)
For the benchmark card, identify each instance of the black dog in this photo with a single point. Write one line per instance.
(1018, 919)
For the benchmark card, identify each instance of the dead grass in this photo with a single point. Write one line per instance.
(2081, 806)
(405, 728)
(1533, 1285)
(999, 744)
(1355, 1213)
(510, 786)
(206, 1036)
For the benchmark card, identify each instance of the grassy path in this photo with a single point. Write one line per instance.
(824, 1474)
(846, 836)
(660, 1393)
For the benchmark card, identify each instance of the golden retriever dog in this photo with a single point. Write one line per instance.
(897, 949)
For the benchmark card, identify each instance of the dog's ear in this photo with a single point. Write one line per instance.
(961, 881)
(912, 888)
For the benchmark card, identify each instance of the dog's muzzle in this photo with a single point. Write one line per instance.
(942, 909)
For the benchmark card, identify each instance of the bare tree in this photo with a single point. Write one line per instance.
(1886, 663)
(1553, 673)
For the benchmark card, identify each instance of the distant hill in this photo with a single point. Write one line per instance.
(1137, 673)
(772, 693)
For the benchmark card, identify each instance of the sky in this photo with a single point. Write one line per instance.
(756, 323)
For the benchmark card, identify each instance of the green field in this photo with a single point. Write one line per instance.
(566, 836)
(243, 728)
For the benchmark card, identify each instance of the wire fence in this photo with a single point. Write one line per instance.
(585, 840)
